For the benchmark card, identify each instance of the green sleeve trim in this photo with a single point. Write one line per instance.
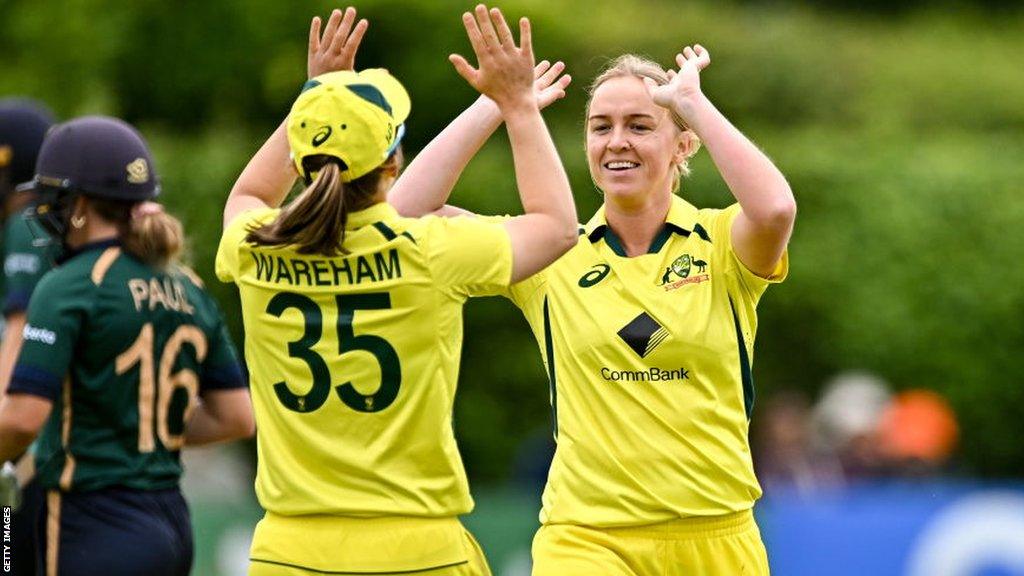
(549, 349)
(745, 373)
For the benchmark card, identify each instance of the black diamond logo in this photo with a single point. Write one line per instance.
(643, 334)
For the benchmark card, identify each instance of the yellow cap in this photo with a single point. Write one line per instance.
(356, 117)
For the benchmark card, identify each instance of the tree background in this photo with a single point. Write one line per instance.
(900, 126)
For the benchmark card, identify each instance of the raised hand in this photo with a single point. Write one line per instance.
(506, 71)
(550, 83)
(336, 48)
(684, 85)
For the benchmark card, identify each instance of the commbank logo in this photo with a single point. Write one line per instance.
(643, 334)
(651, 374)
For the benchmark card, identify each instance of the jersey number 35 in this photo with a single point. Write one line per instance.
(381, 349)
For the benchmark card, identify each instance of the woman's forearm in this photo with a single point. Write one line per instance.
(223, 415)
(549, 226)
(425, 185)
(753, 179)
(761, 232)
(267, 178)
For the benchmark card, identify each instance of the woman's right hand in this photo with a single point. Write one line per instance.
(683, 88)
(506, 71)
(336, 49)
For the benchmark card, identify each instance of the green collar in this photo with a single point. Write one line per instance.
(681, 219)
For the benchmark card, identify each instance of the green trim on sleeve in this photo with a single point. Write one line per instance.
(745, 373)
(549, 350)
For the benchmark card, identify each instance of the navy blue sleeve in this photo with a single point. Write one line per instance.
(30, 380)
(16, 301)
(222, 369)
(223, 378)
(50, 335)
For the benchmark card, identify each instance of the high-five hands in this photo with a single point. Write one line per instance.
(548, 86)
(336, 48)
(506, 71)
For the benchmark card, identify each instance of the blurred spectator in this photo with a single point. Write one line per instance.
(876, 434)
(846, 421)
(918, 433)
(785, 458)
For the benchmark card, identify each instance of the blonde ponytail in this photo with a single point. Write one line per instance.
(146, 231)
(155, 237)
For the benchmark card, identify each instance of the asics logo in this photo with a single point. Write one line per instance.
(322, 136)
(596, 274)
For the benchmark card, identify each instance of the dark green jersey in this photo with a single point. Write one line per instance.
(122, 349)
(25, 263)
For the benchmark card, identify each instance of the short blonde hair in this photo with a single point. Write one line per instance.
(640, 67)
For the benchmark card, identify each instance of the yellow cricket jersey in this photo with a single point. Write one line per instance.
(649, 360)
(353, 360)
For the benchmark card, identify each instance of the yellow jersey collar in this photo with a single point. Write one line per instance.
(682, 214)
(681, 219)
(594, 228)
(378, 212)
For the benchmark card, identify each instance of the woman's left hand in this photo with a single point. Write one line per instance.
(336, 49)
(550, 83)
(683, 88)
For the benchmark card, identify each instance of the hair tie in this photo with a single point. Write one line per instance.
(147, 208)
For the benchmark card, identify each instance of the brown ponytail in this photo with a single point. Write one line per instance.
(145, 230)
(315, 221)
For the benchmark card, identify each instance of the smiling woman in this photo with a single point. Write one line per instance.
(646, 328)
(695, 277)
(625, 80)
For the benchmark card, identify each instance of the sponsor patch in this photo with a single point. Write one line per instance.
(31, 333)
(643, 334)
(21, 263)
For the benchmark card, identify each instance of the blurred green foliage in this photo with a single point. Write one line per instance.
(901, 131)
